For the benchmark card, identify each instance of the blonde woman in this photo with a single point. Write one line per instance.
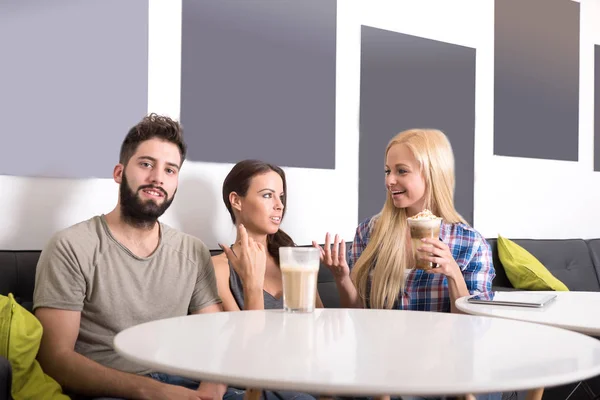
(419, 175)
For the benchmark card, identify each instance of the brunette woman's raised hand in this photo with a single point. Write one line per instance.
(250, 263)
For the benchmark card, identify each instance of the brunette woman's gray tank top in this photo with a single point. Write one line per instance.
(237, 289)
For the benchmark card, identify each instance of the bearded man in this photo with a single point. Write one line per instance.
(110, 272)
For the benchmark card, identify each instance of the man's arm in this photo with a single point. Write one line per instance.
(216, 307)
(83, 376)
(218, 389)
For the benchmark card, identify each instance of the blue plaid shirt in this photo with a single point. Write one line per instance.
(429, 292)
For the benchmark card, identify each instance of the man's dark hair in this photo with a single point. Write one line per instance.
(153, 126)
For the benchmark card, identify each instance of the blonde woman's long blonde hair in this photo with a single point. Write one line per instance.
(388, 253)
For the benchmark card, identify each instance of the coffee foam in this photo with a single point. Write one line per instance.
(299, 268)
(424, 215)
(425, 225)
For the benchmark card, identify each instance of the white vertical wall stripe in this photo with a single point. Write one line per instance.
(164, 57)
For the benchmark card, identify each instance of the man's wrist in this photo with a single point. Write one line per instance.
(148, 389)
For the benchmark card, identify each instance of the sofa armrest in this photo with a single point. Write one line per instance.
(5, 379)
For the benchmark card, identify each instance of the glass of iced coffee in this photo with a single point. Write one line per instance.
(299, 271)
(423, 225)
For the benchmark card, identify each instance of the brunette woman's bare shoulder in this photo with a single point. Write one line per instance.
(220, 262)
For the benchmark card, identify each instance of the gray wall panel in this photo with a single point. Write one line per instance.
(536, 88)
(412, 82)
(73, 79)
(258, 81)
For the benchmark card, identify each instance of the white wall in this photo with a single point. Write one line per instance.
(319, 200)
(514, 197)
(529, 198)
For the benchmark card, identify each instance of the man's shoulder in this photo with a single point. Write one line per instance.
(183, 242)
(173, 236)
(85, 233)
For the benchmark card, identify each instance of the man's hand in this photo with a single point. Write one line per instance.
(211, 391)
(173, 392)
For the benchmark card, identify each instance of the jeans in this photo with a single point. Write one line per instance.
(483, 396)
(231, 394)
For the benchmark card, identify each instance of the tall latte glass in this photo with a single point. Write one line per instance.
(299, 270)
(423, 225)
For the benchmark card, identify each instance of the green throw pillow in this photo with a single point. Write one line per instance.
(523, 270)
(20, 336)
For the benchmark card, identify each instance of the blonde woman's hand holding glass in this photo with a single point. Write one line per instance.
(438, 252)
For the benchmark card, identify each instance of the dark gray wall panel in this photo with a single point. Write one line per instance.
(412, 82)
(536, 88)
(73, 80)
(597, 110)
(258, 81)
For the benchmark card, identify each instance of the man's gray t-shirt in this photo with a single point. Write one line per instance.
(84, 268)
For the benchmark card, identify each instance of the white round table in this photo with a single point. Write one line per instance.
(575, 311)
(362, 352)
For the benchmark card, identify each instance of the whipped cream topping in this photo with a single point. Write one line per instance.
(424, 216)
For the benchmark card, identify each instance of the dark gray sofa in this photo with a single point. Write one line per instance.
(575, 262)
(5, 379)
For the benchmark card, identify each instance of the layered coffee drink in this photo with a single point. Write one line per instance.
(423, 225)
(299, 271)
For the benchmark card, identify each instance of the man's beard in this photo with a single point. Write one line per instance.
(139, 213)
